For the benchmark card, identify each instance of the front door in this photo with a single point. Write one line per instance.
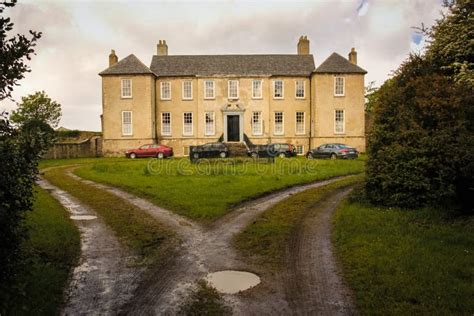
(233, 128)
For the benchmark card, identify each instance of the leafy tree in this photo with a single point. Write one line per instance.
(13, 52)
(20, 150)
(421, 144)
(37, 106)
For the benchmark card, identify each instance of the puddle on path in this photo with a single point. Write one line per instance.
(231, 282)
(83, 217)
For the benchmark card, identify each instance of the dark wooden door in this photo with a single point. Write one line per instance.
(233, 128)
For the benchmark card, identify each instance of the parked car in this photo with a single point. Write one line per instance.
(272, 150)
(150, 150)
(333, 151)
(209, 150)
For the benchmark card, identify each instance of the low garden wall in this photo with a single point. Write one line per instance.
(91, 147)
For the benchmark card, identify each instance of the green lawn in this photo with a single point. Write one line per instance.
(265, 241)
(50, 252)
(406, 262)
(207, 190)
(139, 231)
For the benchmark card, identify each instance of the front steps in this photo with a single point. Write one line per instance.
(237, 149)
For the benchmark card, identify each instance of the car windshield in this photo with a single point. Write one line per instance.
(342, 146)
(144, 147)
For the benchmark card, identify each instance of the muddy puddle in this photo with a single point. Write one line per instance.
(232, 282)
(83, 217)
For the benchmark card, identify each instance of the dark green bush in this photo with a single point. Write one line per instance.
(421, 144)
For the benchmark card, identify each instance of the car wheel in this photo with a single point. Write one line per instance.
(160, 156)
(222, 155)
(282, 155)
(333, 156)
(254, 155)
(196, 156)
(133, 155)
(309, 156)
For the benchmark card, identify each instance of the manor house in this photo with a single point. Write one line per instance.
(184, 100)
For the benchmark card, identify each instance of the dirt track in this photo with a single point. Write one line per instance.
(209, 249)
(314, 285)
(105, 277)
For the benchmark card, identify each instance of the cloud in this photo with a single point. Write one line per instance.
(78, 36)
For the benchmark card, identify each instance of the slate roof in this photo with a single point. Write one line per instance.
(130, 65)
(338, 64)
(238, 65)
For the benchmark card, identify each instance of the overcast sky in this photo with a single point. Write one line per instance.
(78, 36)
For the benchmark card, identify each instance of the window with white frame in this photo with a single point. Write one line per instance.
(187, 90)
(127, 128)
(278, 89)
(209, 89)
(339, 121)
(257, 89)
(166, 124)
(233, 89)
(339, 86)
(126, 88)
(278, 123)
(300, 122)
(210, 123)
(165, 90)
(299, 89)
(299, 149)
(257, 126)
(187, 123)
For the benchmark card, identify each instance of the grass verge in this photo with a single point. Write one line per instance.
(211, 187)
(265, 241)
(205, 301)
(402, 262)
(140, 232)
(51, 250)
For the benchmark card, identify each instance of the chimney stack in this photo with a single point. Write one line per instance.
(353, 56)
(303, 46)
(162, 48)
(113, 59)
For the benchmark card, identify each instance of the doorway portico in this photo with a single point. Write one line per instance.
(233, 123)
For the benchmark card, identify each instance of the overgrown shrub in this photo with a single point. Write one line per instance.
(421, 144)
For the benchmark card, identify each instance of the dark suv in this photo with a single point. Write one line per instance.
(272, 150)
(209, 150)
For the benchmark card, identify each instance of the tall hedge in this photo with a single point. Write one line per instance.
(421, 144)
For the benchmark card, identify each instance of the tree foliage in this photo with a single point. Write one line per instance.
(37, 106)
(421, 144)
(21, 147)
(13, 52)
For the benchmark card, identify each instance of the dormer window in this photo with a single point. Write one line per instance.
(339, 86)
(126, 88)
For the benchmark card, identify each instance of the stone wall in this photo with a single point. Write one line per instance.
(91, 147)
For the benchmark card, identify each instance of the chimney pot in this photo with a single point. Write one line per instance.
(113, 59)
(353, 56)
(303, 45)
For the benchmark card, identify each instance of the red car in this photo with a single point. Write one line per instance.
(151, 150)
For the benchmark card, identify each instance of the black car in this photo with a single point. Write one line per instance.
(209, 150)
(333, 151)
(272, 150)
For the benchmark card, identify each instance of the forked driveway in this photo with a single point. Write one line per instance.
(210, 249)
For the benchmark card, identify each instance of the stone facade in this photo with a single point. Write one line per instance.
(146, 104)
